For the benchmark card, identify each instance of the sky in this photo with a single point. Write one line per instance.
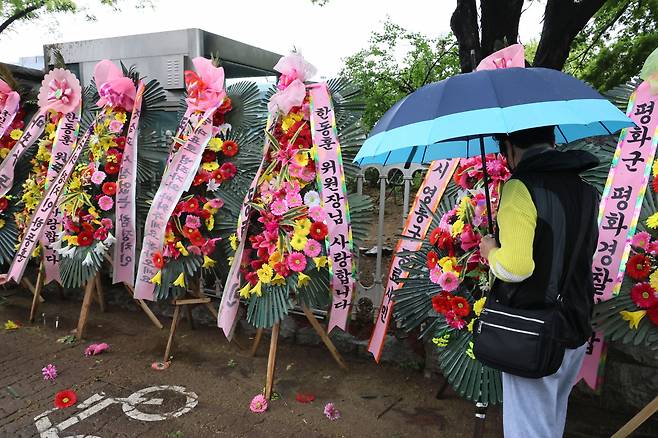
(342, 26)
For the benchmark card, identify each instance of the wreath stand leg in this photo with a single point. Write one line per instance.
(172, 332)
(154, 319)
(638, 419)
(254, 346)
(271, 361)
(480, 417)
(325, 338)
(86, 305)
(36, 291)
(99, 293)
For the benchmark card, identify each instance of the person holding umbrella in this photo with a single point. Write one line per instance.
(544, 208)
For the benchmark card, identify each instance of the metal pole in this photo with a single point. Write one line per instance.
(480, 417)
(380, 228)
(405, 205)
(359, 183)
(486, 185)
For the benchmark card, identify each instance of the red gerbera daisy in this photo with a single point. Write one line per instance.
(644, 296)
(654, 185)
(192, 205)
(441, 302)
(110, 188)
(432, 259)
(460, 306)
(66, 398)
(318, 230)
(196, 238)
(85, 238)
(208, 156)
(638, 267)
(158, 260)
(230, 148)
(111, 168)
(228, 170)
(3, 203)
(653, 314)
(434, 236)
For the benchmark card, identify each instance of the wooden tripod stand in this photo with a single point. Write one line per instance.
(274, 340)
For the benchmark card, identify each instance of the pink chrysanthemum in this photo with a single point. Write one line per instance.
(49, 372)
(107, 223)
(105, 203)
(115, 126)
(294, 200)
(448, 281)
(317, 213)
(192, 221)
(641, 240)
(279, 207)
(313, 248)
(296, 261)
(435, 275)
(98, 177)
(258, 404)
(454, 321)
(331, 412)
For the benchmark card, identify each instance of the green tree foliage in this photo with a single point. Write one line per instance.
(12, 11)
(397, 62)
(615, 44)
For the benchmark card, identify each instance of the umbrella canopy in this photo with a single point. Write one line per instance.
(458, 111)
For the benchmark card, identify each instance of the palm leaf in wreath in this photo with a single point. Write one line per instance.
(74, 272)
(620, 94)
(248, 108)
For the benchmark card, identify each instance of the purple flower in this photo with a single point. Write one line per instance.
(331, 412)
(49, 372)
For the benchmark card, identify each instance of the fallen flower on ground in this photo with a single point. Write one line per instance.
(49, 372)
(10, 325)
(64, 399)
(304, 398)
(95, 349)
(258, 404)
(331, 412)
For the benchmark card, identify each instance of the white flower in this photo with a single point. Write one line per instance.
(88, 261)
(68, 251)
(212, 185)
(110, 240)
(100, 249)
(312, 198)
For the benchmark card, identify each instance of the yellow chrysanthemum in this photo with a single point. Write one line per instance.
(303, 279)
(301, 159)
(121, 116)
(208, 262)
(448, 264)
(320, 262)
(3, 153)
(479, 305)
(470, 325)
(457, 227)
(157, 278)
(50, 128)
(180, 280)
(209, 208)
(245, 291)
(274, 258)
(278, 280)
(210, 222)
(233, 238)
(633, 318)
(182, 249)
(16, 134)
(298, 242)
(265, 274)
(303, 226)
(290, 120)
(652, 221)
(210, 167)
(215, 144)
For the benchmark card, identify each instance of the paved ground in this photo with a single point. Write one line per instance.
(223, 379)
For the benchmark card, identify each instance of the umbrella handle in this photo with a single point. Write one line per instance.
(486, 186)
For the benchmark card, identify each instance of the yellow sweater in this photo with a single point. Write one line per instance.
(517, 220)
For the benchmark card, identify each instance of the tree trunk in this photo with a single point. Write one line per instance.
(500, 23)
(20, 15)
(563, 19)
(464, 24)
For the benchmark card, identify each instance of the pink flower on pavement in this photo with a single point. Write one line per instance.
(105, 203)
(258, 404)
(435, 275)
(331, 412)
(454, 321)
(448, 281)
(98, 177)
(313, 248)
(115, 126)
(317, 213)
(192, 222)
(296, 261)
(95, 349)
(641, 240)
(49, 372)
(279, 207)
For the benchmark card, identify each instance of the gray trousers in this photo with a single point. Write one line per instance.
(537, 408)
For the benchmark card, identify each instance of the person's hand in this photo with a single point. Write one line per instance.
(486, 245)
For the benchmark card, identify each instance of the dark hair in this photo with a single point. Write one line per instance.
(527, 138)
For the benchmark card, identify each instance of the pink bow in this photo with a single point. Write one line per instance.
(511, 56)
(114, 88)
(60, 91)
(205, 87)
(284, 100)
(293, 67)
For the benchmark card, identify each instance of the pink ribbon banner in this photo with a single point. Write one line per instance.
(8, 111)
(176, 181)
(8, 165)
(619, 212)
(65, 137)
(415, 229)
(331, 182)
(228, 308)
(126, 235)
(43, 212)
